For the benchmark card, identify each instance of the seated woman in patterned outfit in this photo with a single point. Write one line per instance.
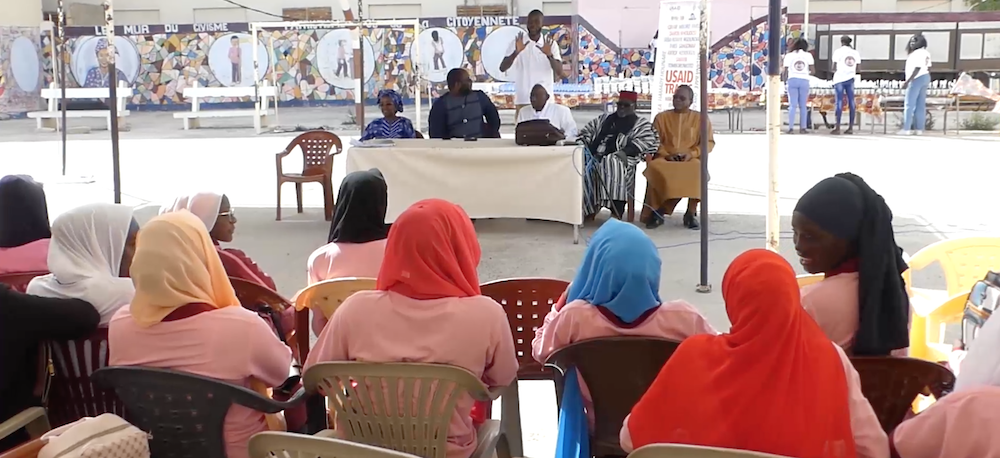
(390, 126)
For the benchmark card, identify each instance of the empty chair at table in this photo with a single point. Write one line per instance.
(428, 308)
(356, 243)
(774, 383)
(24, 226)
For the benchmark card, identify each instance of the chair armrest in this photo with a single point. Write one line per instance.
(260, 403)
(278, 157)
(24, 419)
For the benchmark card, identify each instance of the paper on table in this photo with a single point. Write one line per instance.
(373, 143)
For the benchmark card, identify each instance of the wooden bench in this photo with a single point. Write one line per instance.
(51, 118)
(259, 113)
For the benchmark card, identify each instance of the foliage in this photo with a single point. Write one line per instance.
(980, 121)
(983, 5)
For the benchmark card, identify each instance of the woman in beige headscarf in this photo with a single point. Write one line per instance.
(185, 316)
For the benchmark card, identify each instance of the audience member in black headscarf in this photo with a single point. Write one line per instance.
(25, 322)
(843, 229)
(24, 225)
(357, 233)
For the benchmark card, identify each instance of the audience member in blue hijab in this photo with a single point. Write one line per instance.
(391, 125)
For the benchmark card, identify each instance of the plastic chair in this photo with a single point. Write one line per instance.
(72, 394)
(411, 409)
(324, 297)
(32, 419)
(892, 383)
(964, 262)
(809, 279)
(28, 449)
(526, 302)
(19, 281)
(317, 167)
(602, 363)
(183, 412)
(693, 451)
(277, 444)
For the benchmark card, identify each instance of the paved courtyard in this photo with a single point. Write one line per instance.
(939, 187)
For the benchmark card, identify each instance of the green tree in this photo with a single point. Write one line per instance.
(983, 5)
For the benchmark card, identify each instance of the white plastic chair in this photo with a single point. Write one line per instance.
(287, 445)
(692, 451)
(33, 419)
(412, 410)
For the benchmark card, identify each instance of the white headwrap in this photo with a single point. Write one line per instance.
(85, 255)
(981, 366)
(204, 205)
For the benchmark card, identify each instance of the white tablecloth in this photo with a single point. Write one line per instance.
(489, 178)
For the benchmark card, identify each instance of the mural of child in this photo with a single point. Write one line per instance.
(236, 58)
(98, 76)
(438, 44)
(342, 70)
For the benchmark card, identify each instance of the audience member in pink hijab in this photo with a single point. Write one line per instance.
(185, 316)
(24, 226)
(215, 211)
(357, 234)
(959, 425)
(616, 292)
(428, 309)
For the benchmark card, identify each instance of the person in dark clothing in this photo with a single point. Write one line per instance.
(25, 322)
(463, 112)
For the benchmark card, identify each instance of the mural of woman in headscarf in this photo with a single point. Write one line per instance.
(98, 76)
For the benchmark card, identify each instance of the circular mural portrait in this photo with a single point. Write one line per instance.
(24, 64)
(89, 62)
(495, 49)
(230, 58)
(440, 51)
(335, 59)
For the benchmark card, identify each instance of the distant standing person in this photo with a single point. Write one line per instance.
(438, 45)
(798, 70)
(236, 58)
(918, 78)
(534, 59)
(845, 60)
(342, 70)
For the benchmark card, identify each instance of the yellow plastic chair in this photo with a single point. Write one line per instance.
(326, 296)
(964, 262)
(809, 279)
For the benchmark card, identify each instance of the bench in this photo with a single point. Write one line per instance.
(51, 118)
(259, 113)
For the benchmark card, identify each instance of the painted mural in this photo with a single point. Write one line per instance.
(21, 74)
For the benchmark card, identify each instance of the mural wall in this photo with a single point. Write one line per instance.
(21, 73)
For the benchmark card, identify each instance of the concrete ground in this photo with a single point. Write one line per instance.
(939, 187)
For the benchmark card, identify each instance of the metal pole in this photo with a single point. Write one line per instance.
(703, 286)
(805, 22)
(109, 22)
(359, 66)
(773, 120)
(61, 32)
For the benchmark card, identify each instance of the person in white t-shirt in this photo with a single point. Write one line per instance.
(543, 107)
(438, 44)
(532, 59)
(845, 60)
(918, 78)
(798, 70)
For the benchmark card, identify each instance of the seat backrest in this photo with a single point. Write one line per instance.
(892, 383)
(327, 295)
(19, 281)
(280, 444)
(183, 413)
(72, 396)
(693, 451)
(964, 261)
(617, 371)
(401, 406)
(526, 301)
(316, 145)
(252, 295)
(809, 279)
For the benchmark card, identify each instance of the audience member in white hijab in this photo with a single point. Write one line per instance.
(981, 364)
(89, 256)
(216, 212)
(543, 107)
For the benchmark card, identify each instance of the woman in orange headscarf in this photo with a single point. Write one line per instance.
(185, 316)
(774, 384)
(428, 309)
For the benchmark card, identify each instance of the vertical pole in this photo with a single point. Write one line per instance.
(359, 65)
(703, 286)
(805, 22)
(254, 31)
(773, 120)
(61, 61)
(414, 63)
(109, 22)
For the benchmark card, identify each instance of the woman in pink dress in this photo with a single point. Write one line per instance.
(428, 309)
(357, 234)
(24, 226)
(843, 230)
(186, 317)
(215, 211)
(616, 292)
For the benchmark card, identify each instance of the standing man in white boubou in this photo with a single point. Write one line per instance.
(532, 59)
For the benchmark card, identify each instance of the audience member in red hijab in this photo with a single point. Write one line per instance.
(774, 384)
(427, 309)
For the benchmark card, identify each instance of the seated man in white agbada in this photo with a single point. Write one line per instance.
(543, 107)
